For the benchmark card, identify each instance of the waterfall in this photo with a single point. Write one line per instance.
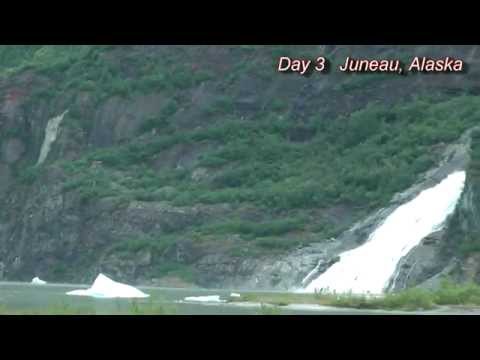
(368, 268)
(51, 132)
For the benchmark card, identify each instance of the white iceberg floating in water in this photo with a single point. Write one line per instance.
(38, 281)
(210, 298)
(103, 287)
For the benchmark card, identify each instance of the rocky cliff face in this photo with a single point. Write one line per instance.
(435, 258)
(71, 204)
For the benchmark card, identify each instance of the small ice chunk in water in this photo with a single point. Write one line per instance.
(236, 295)
(103, 287)
(210, 298)
(38, 281)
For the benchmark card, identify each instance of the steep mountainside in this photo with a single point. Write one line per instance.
(180, 165)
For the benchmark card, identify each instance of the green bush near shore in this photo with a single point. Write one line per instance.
(411, 299)
(269, 310)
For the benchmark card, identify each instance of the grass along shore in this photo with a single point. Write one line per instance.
(411, 299)
(132, 308)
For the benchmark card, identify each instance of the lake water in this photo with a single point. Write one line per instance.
(28, 297)
(25, 296)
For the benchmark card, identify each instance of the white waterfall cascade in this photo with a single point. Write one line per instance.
(368, 268)
(51, 132)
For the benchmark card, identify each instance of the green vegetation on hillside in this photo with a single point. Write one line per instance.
(359, 161)
(288, 176)
(463, 230)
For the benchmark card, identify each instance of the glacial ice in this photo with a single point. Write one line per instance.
(104, 287)
(210, 298)
(38, 281)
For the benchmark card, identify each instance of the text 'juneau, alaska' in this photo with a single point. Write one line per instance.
(352, 65)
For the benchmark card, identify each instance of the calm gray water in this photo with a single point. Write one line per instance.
(24, 296)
